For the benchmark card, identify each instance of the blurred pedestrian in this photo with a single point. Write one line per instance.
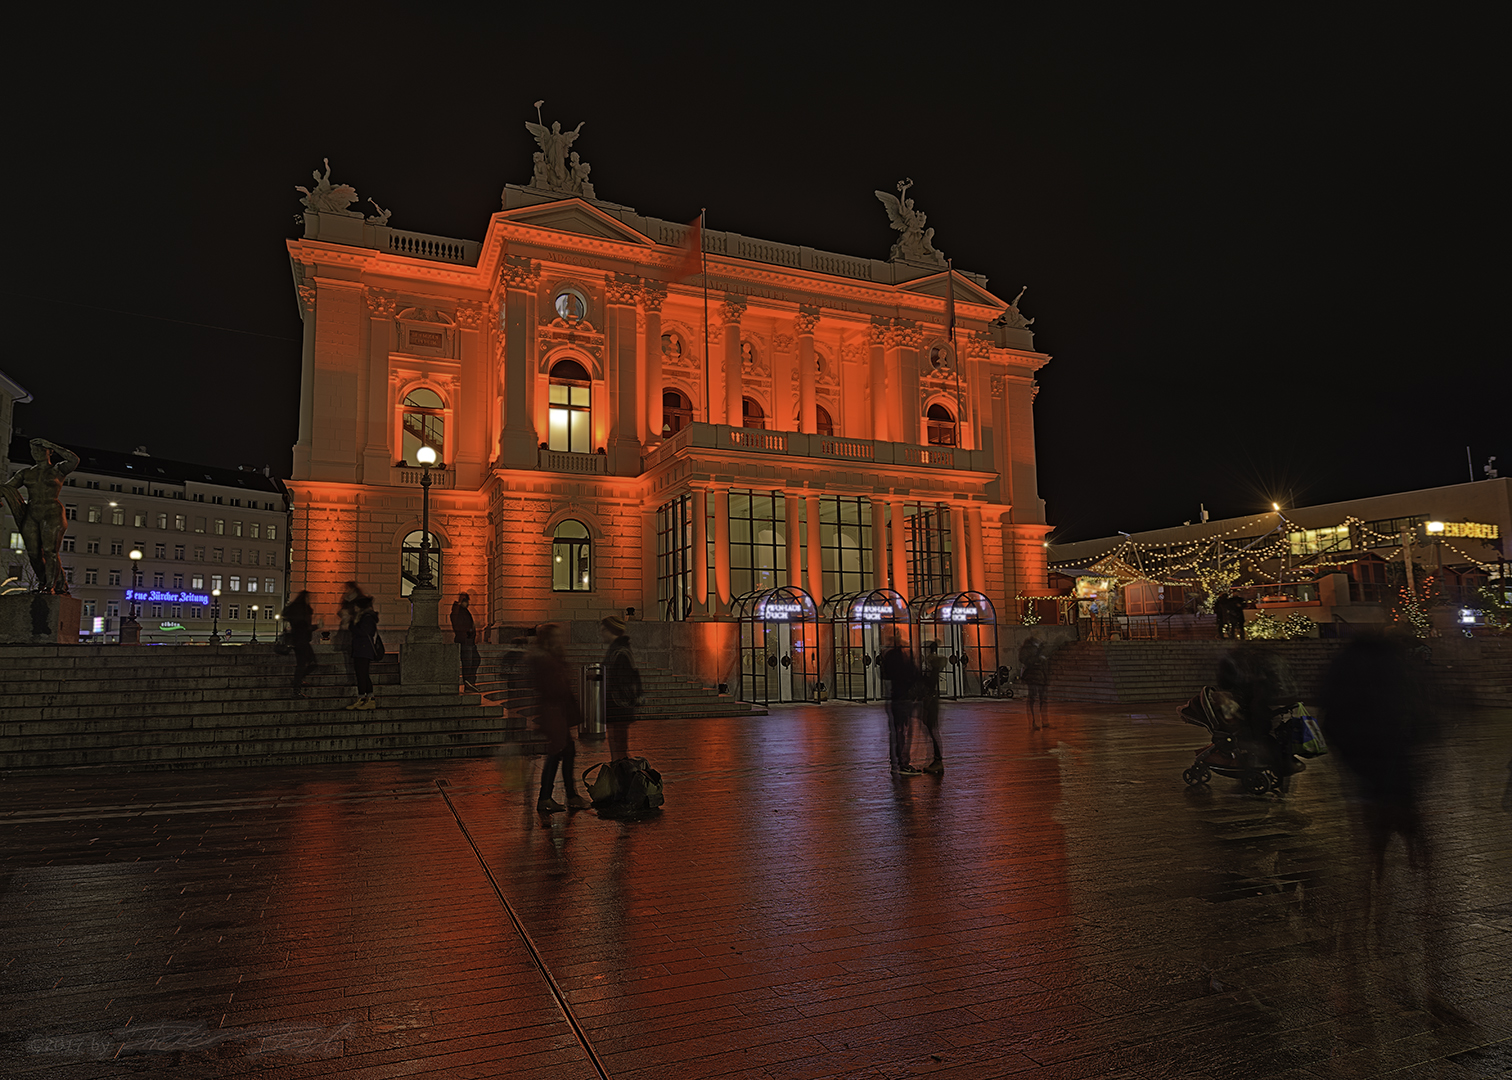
(623, 689)
(1034, 673)
(363, 644)
(929, 704)
(301, 620)
(1264, 689)
(559, 714)
(466, 634)
(897, 666)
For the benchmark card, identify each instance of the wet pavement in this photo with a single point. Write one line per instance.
(1057, 905)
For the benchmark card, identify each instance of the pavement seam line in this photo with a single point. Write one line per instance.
(530, 945)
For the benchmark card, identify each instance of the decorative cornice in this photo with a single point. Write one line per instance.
(903, 334)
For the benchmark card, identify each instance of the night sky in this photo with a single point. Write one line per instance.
(1262, 250)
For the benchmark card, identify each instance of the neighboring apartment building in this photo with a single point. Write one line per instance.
(836, 439)
(199, 528)
(12, 394)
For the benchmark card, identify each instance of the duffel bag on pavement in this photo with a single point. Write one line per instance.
(627, 785)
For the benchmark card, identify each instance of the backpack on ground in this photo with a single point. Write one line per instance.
(625, 786)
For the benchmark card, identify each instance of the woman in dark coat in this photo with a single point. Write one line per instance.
(559, 714)
(301, 619)
(363, 639)
(624, 686)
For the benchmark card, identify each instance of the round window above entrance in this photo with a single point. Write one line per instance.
(571, 305)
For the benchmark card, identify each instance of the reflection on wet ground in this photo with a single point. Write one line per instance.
(1058, 904)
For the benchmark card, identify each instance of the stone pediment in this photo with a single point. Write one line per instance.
(576, 216)
(966, 291)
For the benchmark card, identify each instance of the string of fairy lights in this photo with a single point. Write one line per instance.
(1215, 562)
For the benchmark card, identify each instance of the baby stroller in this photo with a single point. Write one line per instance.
(1232, 753)
(999, 684)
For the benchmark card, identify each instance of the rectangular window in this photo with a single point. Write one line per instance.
(199, 554)
(178, 581)
(94, 515)
(251, 558)
(251, 584)
(176, 611)
(215, 581)
(91, 576)
(160, 551)
(89, 609)
(256, 530)
(220, 526)
(68, 574)
(157, 581)
(71, 512)
(758, 545)
(115, 547)
(199, 524)
(178, 551)
(112, 609)
(162, 521)
(139, 520)
(179, 521)
(268, 585)
(928, 546)
(236, 556)
(197, 581)
(20, 545)
(117, 516)
(570, 418)
(218, 555)
(272, 532)
(115, 577)
(236, 528)
(845, 539)
(234, 611)
(91, 547)
(674, 558)
(235, 583)
(157, 611)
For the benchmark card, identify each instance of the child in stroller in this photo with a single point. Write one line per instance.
(1262, 766)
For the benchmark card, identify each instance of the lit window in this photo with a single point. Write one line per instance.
(409, 562)
(251, 584)
(162, 521)
(256, 530)
(571, 305)
(570, 557)
(268, 585)
(940, 426)
(571, 411)
(94, 514)
(236, 528)
(235, 583)
(197, 581)
(751, 414)
(215, 581)
(677, 412)
(272, 532)
(117, 516)
(424, 423)
(179, 521)
(220, 526)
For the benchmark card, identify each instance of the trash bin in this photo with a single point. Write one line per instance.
(593, 694)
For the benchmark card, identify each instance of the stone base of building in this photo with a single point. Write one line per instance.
(39, 619)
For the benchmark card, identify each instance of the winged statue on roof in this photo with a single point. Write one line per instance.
(917, 243)
(326, 197)
(552, 169)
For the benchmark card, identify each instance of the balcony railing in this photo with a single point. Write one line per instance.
(405, 475)
(568, 462)
(799, 444)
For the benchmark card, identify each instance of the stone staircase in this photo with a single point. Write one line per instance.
(185, 706)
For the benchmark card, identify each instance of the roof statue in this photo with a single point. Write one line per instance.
(916, 245)
(1013, 317)
(381, 217)
(41, 515)
(328, 198)
(555, 168)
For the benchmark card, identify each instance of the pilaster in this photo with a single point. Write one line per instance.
(519, 440)
(730, 314)
(808, 377)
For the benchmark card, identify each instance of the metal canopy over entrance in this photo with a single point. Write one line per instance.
(965, 625)
(864, 624)
(778, 644)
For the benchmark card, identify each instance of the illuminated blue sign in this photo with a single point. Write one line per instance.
(161, 596)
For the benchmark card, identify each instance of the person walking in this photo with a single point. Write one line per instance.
(929, 704)
(363, 642)
(559, 714)
(465, 632)
(301, 619)
(902, 675)
(1034, 672)
(623, 686)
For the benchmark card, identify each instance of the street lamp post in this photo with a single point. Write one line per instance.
(254, 624)
(215, 616)
(426, 456)
(131, 630)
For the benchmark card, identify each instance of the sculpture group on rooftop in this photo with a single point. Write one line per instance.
(40, 516)
(916, 245)
(328, 198)
(557, 165)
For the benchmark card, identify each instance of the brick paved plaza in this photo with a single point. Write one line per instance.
(1056, 905)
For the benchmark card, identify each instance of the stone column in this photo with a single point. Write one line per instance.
(815, 555)
(808, 376)
(958, 547)
(791, 526)
(701, 546)
(625, 394)
(880, 576)
(652, 297)
(900, 550)
(730, 313)
(978, 563)
(905, 419)
(471, 410)
(876, 338)
(377, 457)
(518, 441)
(722, 546)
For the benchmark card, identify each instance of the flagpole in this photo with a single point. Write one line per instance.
(703, 268)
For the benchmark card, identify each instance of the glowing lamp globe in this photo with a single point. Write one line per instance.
(426, 455)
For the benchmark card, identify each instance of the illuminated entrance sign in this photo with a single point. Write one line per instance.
(162, 596)
(780, 610)
(875, 612)
(958, 613)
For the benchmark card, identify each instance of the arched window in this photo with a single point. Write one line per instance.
(424, 424)
(751, 414)
(677, 412)
(409, 562)
(940, 425)
(571, 395)
(571, 305)
(824, 421)
(571, 550)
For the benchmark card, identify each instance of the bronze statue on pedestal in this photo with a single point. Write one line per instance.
(40, 515)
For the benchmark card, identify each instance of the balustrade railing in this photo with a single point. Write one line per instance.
(436, 248)
(756, 439)
(405, 475)
(846, 448)
(568, 462)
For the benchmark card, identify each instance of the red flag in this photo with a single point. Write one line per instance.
(950, 300)
(692, 252)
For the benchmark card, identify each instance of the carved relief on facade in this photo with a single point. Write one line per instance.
(652, 296)
(519, 273)
(427, 332)
(998, 384)
(471, 316)
(382, 303)
(979, 344)
(623, 289)
(307, 298)
(903, 334)
(729, 313)
(806, 321)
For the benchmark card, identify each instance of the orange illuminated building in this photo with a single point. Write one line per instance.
(608, 394)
